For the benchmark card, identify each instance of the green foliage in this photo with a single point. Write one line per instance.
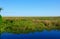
(26, 24)
(0, 19)
(0, 9)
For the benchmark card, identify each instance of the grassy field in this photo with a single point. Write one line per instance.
(29, 24)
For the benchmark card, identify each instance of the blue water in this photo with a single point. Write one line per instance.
(36, 35)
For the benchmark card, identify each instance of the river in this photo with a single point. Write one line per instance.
(35, 35)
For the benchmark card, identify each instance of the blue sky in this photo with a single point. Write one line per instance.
(30, 7)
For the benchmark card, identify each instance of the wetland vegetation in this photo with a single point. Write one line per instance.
(29, 24)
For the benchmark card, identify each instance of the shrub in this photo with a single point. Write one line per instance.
(46, 22)
(56, 23)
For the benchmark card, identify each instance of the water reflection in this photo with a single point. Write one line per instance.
(36, 35)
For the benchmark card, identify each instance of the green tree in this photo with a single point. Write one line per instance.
(0, 9)
(0, 16)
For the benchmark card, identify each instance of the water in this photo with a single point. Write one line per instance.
(36, 35)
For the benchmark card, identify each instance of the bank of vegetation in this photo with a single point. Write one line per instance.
(29, 24)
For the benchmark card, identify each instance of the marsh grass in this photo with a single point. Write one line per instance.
(29, 24)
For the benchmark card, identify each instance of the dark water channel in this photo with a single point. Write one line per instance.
(36, 35)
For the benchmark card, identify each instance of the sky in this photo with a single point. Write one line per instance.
(30, 7)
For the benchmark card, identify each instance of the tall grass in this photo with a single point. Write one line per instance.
(29, 24)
